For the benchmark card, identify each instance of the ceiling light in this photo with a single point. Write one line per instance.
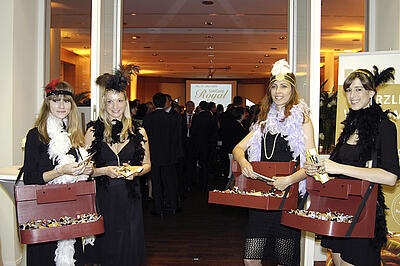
(133, 14)
(67, 37)
(256, 66)
(86, 47)
(266, 55)
(161, 60)
(261, 62)
(336, 49)
(273, 48)
(355, 40)
(209, 36)
(207, 3)
(208, 23)
(282, 38)
(135, 37)
(154, 54)
(210, 48)
(212, 14)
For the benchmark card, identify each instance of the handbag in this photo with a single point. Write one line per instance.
(51, 202)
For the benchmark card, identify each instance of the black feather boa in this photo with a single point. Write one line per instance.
(137, 155)
(367, 122)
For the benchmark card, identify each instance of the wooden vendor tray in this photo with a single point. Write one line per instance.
(34, 202)
(268, 169)
(341, 195)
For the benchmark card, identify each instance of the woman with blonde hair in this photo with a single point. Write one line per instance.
(52, 155)
(117, 142)
(283, 132)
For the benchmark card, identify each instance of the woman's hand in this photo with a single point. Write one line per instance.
(247, 169)
(330, 167)
(281, 182)
(112, 171)
(132, 176)
(312, 169)
(88, 169)
(71, 169)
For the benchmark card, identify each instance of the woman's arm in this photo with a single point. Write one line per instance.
(238, 155)
(146, 159)
(282, 183)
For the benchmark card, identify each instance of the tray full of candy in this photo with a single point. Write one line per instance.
(333, 205)
(57, 211)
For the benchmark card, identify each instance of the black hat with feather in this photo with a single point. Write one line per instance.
(117, 81)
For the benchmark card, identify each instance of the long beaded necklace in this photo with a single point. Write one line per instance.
(273, 146)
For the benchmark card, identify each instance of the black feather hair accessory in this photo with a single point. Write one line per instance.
(117, 81)
(382, 77)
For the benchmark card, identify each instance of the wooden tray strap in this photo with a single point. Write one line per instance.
(359, 210)
(288, 188)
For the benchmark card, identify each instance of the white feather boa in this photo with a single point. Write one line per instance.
(59, 146)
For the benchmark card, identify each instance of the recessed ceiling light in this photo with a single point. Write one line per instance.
(208, 23)
(154, 54)
(86, 47)
(355, 40)
(207, 3)
(256, 66)
(212, 14)
(161, 60)
(147, 47)
(210, 47)
(282, 38)
(67, 37)
(273, 48)
(266, 55)
(261, 62)
(135, 37)
(209, 36)
(133, 14)
(337, 49)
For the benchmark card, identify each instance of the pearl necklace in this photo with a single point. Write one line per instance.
(273, 146)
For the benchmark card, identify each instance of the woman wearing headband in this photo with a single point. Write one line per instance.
(283, 132)
(367, 131)
(52, 152)
(116, 142)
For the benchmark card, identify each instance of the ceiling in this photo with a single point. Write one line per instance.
(174, 38)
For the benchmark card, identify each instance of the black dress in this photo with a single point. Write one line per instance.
(266, 237)
(365, 251)
(119, 202)
(36, 162)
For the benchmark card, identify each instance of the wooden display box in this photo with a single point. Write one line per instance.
(35, 202)
(268, 169)
(341, 195)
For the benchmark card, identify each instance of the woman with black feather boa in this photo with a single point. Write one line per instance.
(115, 141)
(367, 131)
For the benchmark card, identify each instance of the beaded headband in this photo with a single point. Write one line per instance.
(286, 77)
(51, 89)
(280, 71)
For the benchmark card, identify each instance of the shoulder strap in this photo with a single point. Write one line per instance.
(288, 188)
(19, 176)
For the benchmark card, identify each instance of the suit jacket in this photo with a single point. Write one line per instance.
(232, 132)
(162, 131)
(204, 132)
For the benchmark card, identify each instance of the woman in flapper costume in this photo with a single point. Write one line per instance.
(116, 141)
(52, 151)
(367, 131)
(283, 133)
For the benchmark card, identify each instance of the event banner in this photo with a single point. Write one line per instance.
(389, 98)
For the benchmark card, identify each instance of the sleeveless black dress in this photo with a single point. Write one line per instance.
(266, 237)
(119, 201)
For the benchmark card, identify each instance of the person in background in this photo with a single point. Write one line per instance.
(53, 151)
(190, 161)
(283, 132)
(150, 107)
(162, 130)
(133, 106)
(367, 130)
(115, 142)
(204, 133)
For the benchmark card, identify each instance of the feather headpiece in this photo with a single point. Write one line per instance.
(117, 81)
(280, 71)
(377, 78)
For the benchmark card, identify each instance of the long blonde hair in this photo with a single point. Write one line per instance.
(77, 138)
(105, 118)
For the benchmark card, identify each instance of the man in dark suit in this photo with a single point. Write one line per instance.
(161, 128)
(204, 133)
(190, 162)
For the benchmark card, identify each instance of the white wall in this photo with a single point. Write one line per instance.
(18, 73)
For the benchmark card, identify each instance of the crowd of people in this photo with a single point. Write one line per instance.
(182, 148)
